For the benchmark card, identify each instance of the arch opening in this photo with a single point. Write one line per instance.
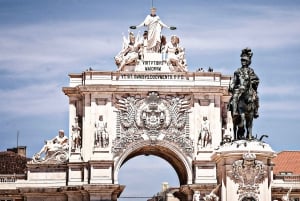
(162, 150)
(146, 176)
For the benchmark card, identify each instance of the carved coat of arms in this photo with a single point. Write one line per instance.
(248, 173)
(152, 118)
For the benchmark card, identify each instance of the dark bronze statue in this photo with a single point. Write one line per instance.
(244, 101)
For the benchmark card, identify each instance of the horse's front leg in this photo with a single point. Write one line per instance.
(241, 127)
(249, 123)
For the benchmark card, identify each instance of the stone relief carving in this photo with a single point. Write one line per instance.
(152, 118)
(211, 197)
(248, 173)
(213, 194)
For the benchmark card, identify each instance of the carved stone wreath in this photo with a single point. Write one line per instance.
(248, 173)
(152, 118)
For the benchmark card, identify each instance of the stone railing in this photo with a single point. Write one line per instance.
(288, 178)
(292, 178)
(11, 178)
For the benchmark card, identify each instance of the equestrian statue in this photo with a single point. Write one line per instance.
(244, 102)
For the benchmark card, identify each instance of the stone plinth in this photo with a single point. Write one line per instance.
(45, 175)
(244, 170)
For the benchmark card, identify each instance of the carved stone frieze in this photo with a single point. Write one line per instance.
(248, 173)
(152, 118)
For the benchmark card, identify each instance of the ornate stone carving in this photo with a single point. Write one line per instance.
(153, 118)
(213, 194)
(211, 197)
(55, 150)
(248, 173)
(55, 157)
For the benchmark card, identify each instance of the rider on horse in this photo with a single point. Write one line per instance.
(244, 79)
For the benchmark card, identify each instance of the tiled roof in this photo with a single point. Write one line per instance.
(12, 163)
(287, 161)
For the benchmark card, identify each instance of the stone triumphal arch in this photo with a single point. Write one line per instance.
(155, 113)
(150, 105)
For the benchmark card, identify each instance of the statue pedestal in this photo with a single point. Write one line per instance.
(75, 157)
(45, 175)
(100, 153)
(244, 167)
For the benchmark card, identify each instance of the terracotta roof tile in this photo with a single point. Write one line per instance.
(287, 161)
(11, 163)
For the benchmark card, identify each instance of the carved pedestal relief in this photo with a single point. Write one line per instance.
(152, 118)
(248, 173)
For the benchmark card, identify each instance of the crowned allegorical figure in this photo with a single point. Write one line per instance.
(155, 25)
(244, 102)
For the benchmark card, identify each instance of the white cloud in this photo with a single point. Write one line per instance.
(60, 44)
(280, 90)
(39, 99)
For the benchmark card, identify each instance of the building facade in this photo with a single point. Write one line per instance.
(152, 105)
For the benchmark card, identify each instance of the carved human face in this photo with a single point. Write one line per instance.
(132, 39)
(244, 62)
(174, 40)
(153, 11)
(61, 134)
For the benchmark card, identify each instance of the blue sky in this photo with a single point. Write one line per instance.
(41, 42)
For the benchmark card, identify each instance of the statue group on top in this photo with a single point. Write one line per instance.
(244, 102)
(135, 47)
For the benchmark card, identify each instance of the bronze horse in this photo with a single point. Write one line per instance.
(245, 107)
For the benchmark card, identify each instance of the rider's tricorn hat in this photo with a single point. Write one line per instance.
(247, 52)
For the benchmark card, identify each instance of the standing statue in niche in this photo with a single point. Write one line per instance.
(205, 137)
(76, 136)
(101, 134)
(154, 25)
(244, 102)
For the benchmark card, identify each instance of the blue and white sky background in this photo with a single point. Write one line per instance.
(42, 41)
